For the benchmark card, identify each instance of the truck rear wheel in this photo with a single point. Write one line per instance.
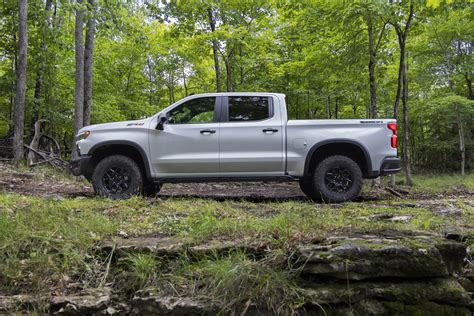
(337, 179)
(151, 189)
(117, 177)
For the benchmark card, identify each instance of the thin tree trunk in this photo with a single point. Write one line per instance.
(402, 91)
(19, 105)
(79, 87)
(328, 106)
(241, 68)
(215, 50)
(228, 69)
(36, 103)
(336, 110)
(401, 70)
(88, 63)
(39, 74)
(406, 129)
(372, 61)
(35, 142)
(470, 94)
(171, 88)
(184, 80)
(462, 146)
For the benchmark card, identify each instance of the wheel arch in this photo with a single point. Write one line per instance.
(119, 147)
(344, 147)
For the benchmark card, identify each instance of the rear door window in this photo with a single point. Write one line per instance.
(248, 108)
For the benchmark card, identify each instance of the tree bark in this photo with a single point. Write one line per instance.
(215, 50)
(88, 63)
(79, 87)
(19, 105)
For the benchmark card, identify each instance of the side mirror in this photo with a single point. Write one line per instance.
(161, 121)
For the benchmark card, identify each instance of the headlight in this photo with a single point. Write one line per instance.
(83, 135)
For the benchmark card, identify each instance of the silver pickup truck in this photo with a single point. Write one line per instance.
(235, 137)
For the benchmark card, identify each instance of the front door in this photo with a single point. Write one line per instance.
(188, 145)
(250, 137)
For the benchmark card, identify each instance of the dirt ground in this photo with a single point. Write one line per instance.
(43, 182)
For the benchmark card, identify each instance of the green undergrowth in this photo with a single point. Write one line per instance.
(436, 183)
(46, 242)
(234, 282)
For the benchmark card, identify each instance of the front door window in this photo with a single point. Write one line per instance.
(195, 111)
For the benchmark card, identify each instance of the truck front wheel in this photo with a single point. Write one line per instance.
(337, 179)
(306, 185)
(117, 177)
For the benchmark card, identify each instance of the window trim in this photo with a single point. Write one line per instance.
(224, 117)
(216, 116)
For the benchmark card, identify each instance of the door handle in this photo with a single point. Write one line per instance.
(269, 130)
(207, 131)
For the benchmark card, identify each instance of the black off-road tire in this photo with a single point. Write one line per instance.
(117, 177)
(307, 186)
(337, 179)
(151, 189)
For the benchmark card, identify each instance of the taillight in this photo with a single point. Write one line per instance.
(393, 139)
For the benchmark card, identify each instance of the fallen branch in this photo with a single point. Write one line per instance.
(50, 158)
(393, 192)
(34, 144)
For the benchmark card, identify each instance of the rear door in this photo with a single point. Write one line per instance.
(188, 145)
(250, 137)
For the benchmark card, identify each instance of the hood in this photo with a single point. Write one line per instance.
(114, 125)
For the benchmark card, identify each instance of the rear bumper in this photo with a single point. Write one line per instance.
(390, 165)
(79, 165)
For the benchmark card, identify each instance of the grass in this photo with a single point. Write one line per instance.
(42, 241)
(436, 183)
(46, 243)
(232, 283)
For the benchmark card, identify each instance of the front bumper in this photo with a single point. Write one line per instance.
(79, 165)
(390, 165)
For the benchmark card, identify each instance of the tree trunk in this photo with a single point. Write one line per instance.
(88, 63)
(228, 69)
(406, 129)
(36, 102)
(39, 74)
(328, 106)
(79, 87)
(215, 50)
(184, 80)
(462, 146)
(401, 70)
(171, 87)
(372, 61)
(470, 94)
(34, 142)
(241, 68)
(19, 105)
